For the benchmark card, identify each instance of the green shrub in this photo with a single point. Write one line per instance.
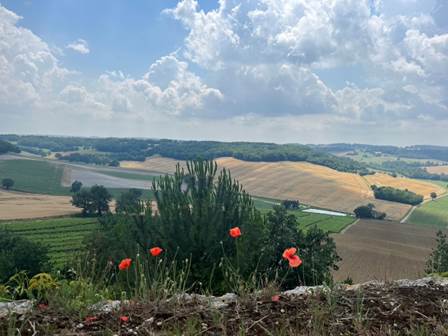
(19, 254)
(397, 195)
(196, 209)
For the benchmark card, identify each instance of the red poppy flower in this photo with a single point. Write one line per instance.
(90, 319)
(235, 232)
(294, 261)
(288, 253)
(124, 319)
(155, 251)
(275, 298)
(125, 264)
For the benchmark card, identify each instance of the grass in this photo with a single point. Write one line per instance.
(63, 236)
(34, 176)
(42, 177)
(328, 223)
(432, 213)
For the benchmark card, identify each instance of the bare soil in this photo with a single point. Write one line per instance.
(383, 250)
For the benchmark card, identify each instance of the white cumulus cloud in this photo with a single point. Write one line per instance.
(81, 46)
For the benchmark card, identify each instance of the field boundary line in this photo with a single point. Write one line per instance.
(349, 226)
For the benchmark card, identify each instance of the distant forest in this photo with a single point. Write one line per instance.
(111, 150)
(411, 152)
(6, 147)
(409, 169)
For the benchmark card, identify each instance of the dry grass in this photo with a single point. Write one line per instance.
(438, 169)
(419, 187)
(15, 205)
(383, 250)
(312, 184)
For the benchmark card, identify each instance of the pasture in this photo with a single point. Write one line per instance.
(312, 184)
(432, 213)
(383, 250)
(62, 236)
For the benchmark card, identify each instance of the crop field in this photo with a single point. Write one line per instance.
(90, 177)
(17, 205)
(311, 184)
(418, 186)
(432, 213)
(306, 220)
(63, 236)
(383, 250)
(35, 176)
(154, 164)
(438, 169)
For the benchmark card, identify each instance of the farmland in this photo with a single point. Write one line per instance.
(18, 205)
(432, 213)
(63, 236)
(383, 250)
(420, 187)
(438, 169)
(35, 176)
(312, 184)
(328, 223)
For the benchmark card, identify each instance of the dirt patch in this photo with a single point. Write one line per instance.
(15, 205)
(383, 250)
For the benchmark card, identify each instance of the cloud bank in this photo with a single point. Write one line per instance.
(265, 70)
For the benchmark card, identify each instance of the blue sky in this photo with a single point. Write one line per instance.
(314, 71)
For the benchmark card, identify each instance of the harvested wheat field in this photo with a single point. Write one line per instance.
(383, 250)
(311, 184)
(155, 164)
(437, 169)
(15, 205)
(419, 187)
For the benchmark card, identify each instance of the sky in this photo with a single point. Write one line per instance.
(285, 71)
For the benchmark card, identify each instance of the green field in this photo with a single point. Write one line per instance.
(34, 176)
(332, 224)
(63, 236)
(42, 177)
(432, 213)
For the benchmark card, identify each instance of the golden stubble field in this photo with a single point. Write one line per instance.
(438, 169)
(417, 186)
(383, 250)
(311, 184)
(16, 205)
